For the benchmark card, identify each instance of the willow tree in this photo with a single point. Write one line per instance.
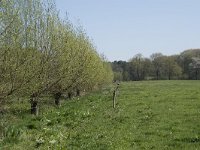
(79, 67)
(40, 53)
(25, 53)
(65, 58)
(14, 55)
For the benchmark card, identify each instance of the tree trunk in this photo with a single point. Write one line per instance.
(57, 98)
(169, 76)
(78, 92)
(138, 74)
(196, 74)
(157, 74)
(70, 95)
(34, 105)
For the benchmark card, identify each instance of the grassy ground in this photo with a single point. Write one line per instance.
(149, 115)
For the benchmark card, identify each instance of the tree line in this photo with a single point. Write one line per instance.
(184, 66)
(42, 53)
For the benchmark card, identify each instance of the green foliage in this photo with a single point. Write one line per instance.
(121, 70)
(118, 76)
(146, 117)
(40, 53)
(159, 67)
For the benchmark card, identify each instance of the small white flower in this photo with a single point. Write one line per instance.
(48, 120)
(52, 141)
(46, 129)
(40, 141)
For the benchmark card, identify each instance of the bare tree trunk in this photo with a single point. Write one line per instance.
(196, 74)
(157, 74)
(169, 77)
(34, 105)
(69, 95)
(57, 98)
(78, 92)
(138, 74)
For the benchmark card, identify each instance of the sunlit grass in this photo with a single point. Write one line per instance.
(149, 115)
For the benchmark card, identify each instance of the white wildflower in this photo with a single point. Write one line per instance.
(52, 141)
(40, 140)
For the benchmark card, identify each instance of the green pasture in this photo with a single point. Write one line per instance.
(149, 115)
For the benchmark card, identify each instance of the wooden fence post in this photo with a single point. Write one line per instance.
(115, 95)
(114, 98)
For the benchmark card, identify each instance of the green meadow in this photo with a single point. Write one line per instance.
(148, 115)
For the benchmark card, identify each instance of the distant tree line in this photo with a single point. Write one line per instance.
(185, 66)
(41, 53)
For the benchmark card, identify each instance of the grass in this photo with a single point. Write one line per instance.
(149, 115)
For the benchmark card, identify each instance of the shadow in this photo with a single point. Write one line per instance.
(189, 140)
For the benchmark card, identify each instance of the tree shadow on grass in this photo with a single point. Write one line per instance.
(189, 140)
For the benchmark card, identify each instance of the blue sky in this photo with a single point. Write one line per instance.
(122, 28)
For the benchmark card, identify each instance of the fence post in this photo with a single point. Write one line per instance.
(114, 98)
(115, 95)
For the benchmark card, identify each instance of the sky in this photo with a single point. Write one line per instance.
(121, 29)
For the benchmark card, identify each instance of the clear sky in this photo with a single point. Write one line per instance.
(122, 28)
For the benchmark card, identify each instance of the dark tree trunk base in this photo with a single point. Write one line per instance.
(34, 108)
(70, 95)
(57, 102)
(78, 92)
(57, 98)
(34, 105)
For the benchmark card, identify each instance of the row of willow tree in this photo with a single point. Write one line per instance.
(41, 53)
(186, 66)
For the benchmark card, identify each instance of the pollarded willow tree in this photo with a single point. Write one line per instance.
(40, 53)
(81, 68)
(26, 56)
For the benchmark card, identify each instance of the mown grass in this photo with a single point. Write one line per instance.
(149, 115)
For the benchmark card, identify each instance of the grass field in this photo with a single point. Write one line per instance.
(149, 115)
